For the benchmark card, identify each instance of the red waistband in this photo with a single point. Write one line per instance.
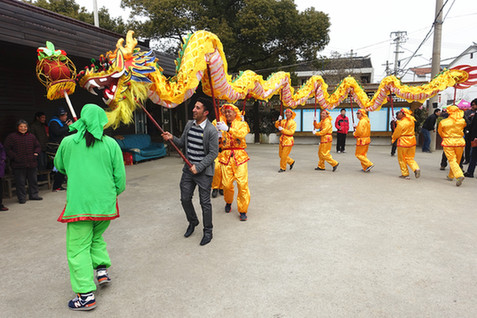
(233, 148)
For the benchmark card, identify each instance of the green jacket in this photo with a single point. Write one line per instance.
(96, 174)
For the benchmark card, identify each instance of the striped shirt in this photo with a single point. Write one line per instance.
(195, 143)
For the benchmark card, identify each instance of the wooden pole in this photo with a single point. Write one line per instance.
(162, 131)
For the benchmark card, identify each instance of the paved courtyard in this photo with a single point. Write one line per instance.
(316, 244)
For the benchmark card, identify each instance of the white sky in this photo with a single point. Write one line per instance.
(365, 27)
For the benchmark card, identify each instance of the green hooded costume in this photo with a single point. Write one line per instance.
(96, 176)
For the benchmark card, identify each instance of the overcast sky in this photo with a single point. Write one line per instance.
(365, 27)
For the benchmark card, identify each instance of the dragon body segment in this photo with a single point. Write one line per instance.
(129, 76)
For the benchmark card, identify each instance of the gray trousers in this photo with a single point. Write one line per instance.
(21, 176)
(187, 186)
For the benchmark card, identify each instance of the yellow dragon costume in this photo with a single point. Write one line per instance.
(128, 76)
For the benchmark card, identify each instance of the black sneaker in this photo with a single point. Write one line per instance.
(228, 207)
(243, 216)
(221, 192)
(336, 167)
(58, 189)
(319, 169)
(214, 193)
(102, 276)
(291, 166)
(468, 175)
(36, 198)
(82, 302)
(281, 170)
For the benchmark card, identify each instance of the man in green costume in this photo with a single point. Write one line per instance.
(96, 176)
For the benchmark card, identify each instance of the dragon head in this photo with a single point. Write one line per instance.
(121, 77)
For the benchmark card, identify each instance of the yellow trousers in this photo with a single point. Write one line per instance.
(360, 153)
(454, 155)
(324, 155)
(217, 180)
(406, 158)
(231, 173)
(283, 153)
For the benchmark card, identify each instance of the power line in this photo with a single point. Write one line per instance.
(427, 35)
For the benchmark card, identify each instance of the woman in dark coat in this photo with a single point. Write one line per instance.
(23, 148)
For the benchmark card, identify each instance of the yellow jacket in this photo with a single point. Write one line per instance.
(363, 130)
(289, 127)
(233, 141)
(451, 129)
(404, 131)
(326, 128)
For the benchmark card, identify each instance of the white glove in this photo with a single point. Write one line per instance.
(314, 131)
(243, 118)
(280, 117)
(314, 118)
(280, 128)
(222, 126)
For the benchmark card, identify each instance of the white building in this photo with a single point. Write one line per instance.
(468, 57)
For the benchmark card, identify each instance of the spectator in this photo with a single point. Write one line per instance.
(392, 125)
(39, 128)
(428, 126)
(58, 128)
(468, 116)
(23, 148)
(472, 128)
(342, 125)
(3, 158)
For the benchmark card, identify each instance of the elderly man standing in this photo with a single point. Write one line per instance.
(362, 134)
(406, 143)
(326, 128)
(200, 143)
(287, 128)
(451, 130)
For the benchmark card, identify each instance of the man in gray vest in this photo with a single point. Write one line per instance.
(201, 146)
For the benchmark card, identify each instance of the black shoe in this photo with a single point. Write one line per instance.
(318, 168)
(214, 193)
(442, 168)
(281, 170)
(221, 192)
(36, 198)
(228, 207)
(22, 201)
(190, 229)
(291, 166)
(206, 238)
(336, 167)
(58, 189)
(468, 175)
(243, 216)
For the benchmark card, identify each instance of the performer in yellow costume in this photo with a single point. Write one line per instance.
(287, 127)
(326, 128)
(217, 180)
(362, 134)
(406, 143)
(233, 159)
(451, 130)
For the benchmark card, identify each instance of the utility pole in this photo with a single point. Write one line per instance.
(95, 13)
(399, 37)
(436, 62)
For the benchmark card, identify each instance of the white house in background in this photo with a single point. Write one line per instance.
(337, 68)
(468, 57)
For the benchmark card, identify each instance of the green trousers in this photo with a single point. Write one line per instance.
(86, 250)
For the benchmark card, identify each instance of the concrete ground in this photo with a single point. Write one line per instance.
(316, 244)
